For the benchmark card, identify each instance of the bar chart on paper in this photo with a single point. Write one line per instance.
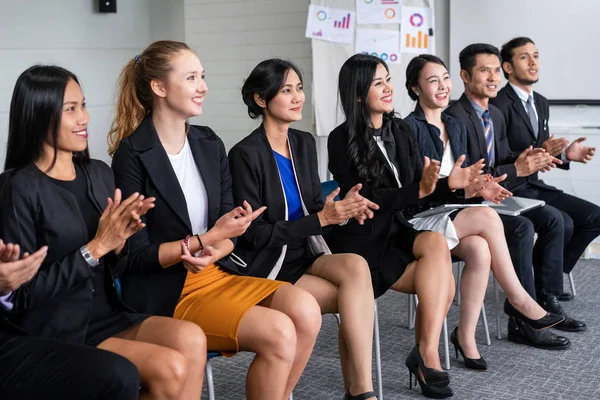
(416, 30)
(421, 41)
(343, 24)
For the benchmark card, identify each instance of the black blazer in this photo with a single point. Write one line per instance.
(141, 164)
(519, 130)
(428, 136)
(35, 212)
(256, 180)
(396, 204)
(476, 149)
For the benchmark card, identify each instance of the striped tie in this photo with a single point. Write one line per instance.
(489, 137)
(532, 118)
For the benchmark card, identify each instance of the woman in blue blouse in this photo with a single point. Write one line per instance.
(276, 166)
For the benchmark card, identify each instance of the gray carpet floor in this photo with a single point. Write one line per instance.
(514, 371)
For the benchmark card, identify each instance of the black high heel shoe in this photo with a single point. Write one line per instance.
(547, 321)
(472, 363)
(362, 396)
(436, 382)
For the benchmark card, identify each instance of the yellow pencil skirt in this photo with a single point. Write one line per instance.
(216, 301)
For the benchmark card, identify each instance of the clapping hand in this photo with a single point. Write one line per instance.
(236, 221)
(429, 177)
(368, 212)
(580, 153)
(14, 272)
(554, 146)
(119, 221)
(337, 212)
(495, 193)
(195, 264)
(461, 178)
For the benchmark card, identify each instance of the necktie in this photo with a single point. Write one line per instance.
(532, 117)
(489, 136)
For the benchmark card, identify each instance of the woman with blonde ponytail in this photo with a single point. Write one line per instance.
(181, 265)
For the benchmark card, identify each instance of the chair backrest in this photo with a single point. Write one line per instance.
(328, 187)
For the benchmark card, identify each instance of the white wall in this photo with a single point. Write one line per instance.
(72, 34)
(231, 38)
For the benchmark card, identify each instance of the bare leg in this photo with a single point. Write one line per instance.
(486, 223)
(347, 276)
(170, 355)
(304, 311)
(431, 278)
(474, 251)
(272, 336)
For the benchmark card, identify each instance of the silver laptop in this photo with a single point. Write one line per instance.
(516, 205)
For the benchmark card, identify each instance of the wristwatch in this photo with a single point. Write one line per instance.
(92, 262)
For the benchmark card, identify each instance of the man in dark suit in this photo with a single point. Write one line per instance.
(526, 113)
(486, 138)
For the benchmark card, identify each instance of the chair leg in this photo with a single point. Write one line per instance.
(411, 311)
(291, 396)
(486, 329)
(459, 265)
(446, 348)
(377, 354)
(337, 317)
(497, 305)
(210, 386)
(572, 284)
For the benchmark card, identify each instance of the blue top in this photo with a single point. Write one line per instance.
(292, 195)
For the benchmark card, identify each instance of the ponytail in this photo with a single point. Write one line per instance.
(134, 96)
(129, 111)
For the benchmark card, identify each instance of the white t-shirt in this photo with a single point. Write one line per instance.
(192, 186)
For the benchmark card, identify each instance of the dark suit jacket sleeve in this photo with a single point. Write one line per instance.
(546, 115)
(388, 199)
(227, 203)
(247, 181)
(18, 226)
(504, 152)
(129, 173)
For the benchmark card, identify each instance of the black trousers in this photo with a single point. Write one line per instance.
(581, 224)
(519, 233)
(35, 368)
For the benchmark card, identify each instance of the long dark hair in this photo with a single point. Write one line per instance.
(266, 79)
(354, 82)
(35, 115)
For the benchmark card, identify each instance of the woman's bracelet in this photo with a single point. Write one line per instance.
(186, 241)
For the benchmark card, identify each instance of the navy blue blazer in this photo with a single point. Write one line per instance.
(428, 135)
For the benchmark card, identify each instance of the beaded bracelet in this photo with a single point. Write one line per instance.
(186, 241)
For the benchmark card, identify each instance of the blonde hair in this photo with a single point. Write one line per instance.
(134, 97)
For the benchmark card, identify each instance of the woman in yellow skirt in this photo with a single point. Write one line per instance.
(182, 264)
